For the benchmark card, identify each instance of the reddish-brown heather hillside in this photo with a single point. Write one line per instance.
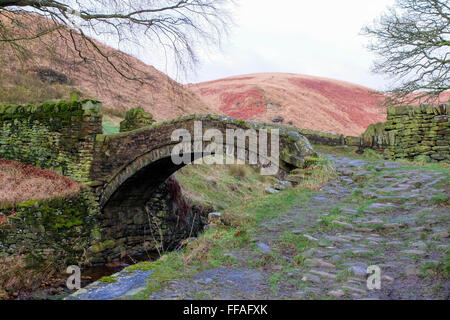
(306, 101)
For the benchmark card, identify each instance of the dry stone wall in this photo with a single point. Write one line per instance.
(52, 135)
(412, 132)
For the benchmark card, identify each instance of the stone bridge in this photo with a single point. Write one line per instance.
(126, 172)
(127, 167)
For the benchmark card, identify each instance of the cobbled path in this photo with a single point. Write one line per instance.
(377, 213)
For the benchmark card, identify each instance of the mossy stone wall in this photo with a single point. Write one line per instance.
(134, 231)
(59, 230)
(411, 132)
(52, 135)
(376, 136)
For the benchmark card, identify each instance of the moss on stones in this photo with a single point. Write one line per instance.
(136, 118)
(108, 279)
(411, 132)
(52, 135)
(60, 228)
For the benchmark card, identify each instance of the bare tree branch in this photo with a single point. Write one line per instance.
(412, 41)
(176, 27)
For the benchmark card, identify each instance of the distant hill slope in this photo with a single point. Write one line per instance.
(306, 101)
(53, 75)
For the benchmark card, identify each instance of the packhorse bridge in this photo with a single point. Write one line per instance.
(127, 173)
(131, 165)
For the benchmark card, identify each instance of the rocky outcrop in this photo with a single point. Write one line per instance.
(51, 76)
(375, 136)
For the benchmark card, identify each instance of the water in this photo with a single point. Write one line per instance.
(56, 288)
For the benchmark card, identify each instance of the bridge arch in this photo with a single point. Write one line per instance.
(131, 165)
(128, 168)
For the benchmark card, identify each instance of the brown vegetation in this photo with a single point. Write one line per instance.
(24, 79)
(20, 182)
(16, 274)
(304, 101)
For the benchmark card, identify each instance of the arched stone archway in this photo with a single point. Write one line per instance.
(144, 154)
(129, 167)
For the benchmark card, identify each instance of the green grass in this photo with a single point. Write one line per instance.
(169, 267)
(435, 166)
(110, 127)
(201, 296)
(221, 186)
(441, 199)
(335, 214)
(108, 279)
(344, 275)
(371, 154)
(293, 241)
(111, 120)
(264, 261)
(440, 269)
(274, 280)
(321, 171)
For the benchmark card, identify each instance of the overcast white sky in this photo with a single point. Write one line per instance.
(313, 37)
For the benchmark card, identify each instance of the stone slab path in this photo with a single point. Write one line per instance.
(377, 213)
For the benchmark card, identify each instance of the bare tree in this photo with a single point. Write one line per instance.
(413, 42)
(174, 26)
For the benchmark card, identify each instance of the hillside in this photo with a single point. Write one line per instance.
(56, 69)
(306, 101)
(21, 182)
